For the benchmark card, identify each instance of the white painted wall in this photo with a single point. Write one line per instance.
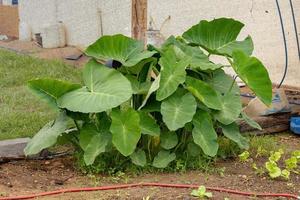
(85, 20)
(259, 16)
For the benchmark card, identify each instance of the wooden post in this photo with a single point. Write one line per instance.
(139, 20)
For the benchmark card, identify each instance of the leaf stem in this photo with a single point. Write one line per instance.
(233, 81)
(76, 124)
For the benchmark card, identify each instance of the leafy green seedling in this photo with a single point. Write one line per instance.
(296, 154)
(291, 163)
(261, 152)
(201, 193)
(244, 156)
(258, 170)
(273, 169)
(275, 156)
(285, 174)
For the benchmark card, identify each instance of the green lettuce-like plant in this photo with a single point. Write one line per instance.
(155, 104)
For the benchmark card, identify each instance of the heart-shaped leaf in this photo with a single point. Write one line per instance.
(139, 158)
(168, 140)
(105, 89)
(125, 129)
(50, 90)
(232, 132)
(204, 92)
(198, 60)
(223, 83)
(153, 88)
(93, 141)
(204, 133)
(231, 109)
(219, 36)
(118, 47)
(250, 121)
(254, 74)
(138, 87)
(193, 149)
(172, 74)
(148, 124)
(178, 109)
(47, 136)
(163, 158)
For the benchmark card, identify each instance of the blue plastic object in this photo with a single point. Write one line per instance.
(295, 125)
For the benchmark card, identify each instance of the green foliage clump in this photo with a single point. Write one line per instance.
(155, 105)
(273, 168)
(201, 193)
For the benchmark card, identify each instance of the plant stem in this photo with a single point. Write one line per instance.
(149, 149)
(76, 124)
(233, 81)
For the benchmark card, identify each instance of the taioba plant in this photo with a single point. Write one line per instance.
(149, 105)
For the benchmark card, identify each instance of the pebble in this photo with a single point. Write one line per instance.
(47, 162)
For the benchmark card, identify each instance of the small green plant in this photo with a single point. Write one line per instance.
(258, 170)
(201, 193)
(273, 170)
(244, 157)
(272, 165)
(150, 106)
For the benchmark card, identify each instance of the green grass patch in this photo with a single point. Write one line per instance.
(21, 113)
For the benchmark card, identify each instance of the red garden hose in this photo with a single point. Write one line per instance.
(115, 187)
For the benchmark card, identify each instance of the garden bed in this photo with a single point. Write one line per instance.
(27, 177)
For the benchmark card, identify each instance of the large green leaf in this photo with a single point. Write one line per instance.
(105, 89)
(232, 132)
(153, 88)
(138, 87)
(148, 124)
(254, 74)
(250, 121)
(125, 129)
(178, 109)
(47, 136)
(193, 149)
(231, 108)
(163, 159)
(93, 142)
(219, 36)
(223, 82)
(50, 89)
(120, 48)
(139, 158)
(172, 74)
(198, 59)
(204, 92)
(204, 133)
(168, 140)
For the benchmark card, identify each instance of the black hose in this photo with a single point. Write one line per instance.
(285, 44)
(295, 27)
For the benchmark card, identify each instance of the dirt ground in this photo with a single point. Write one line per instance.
(32, 49)
(27, 177)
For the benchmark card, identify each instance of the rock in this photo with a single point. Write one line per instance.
(47, 162)
(13, 149)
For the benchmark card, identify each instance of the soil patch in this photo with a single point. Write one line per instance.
(27, 177)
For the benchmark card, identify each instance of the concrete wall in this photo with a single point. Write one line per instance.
(9, 21)
(86, 20)
(83, 19)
